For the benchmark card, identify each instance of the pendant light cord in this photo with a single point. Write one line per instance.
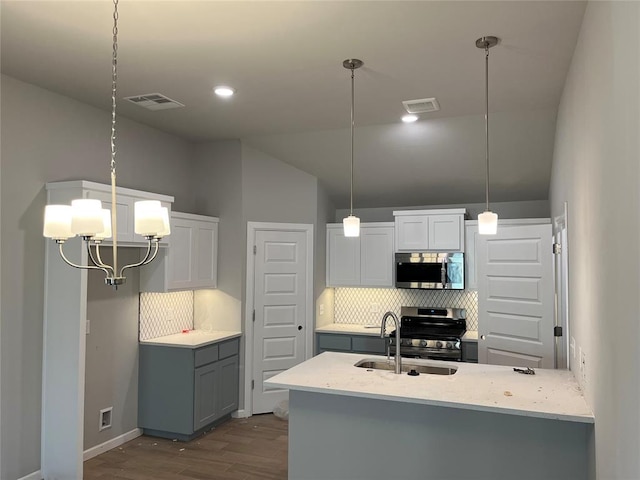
(114, 78)
(486, 117)
(352, 125)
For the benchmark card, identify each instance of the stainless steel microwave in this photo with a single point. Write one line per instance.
(430, 270)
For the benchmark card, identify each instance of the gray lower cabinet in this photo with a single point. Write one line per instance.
(337, 342)
(182, 391)
(470, 351)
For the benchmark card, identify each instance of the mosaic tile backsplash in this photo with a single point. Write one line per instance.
(165, 313)
(365, 306)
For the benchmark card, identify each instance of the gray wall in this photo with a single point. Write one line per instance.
(596, 170)
(48, 137)
(111, 363)
(525, 209)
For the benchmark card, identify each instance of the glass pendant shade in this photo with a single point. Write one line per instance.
(351, 226)
(148, 218)
(166, 229)
(86, 217)
(487, 223)
(106, 226)
(57, 222)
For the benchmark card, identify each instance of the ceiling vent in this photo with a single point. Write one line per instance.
(422, 105)
(154, 101)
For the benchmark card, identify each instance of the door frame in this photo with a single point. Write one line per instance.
(561, 276)
(252, 228)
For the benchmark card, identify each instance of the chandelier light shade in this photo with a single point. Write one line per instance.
(87, 219)
(488, 220)
(351, 223)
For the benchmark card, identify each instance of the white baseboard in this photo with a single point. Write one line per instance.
(33, 476)
(241, 414)
(113, 443)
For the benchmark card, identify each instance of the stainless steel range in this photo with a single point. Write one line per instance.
(430, 332)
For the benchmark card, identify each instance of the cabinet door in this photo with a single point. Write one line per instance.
(124, 211)
(470, 274)
(376, 257)
(343, 259)
(206, 396)
(445, 233)
(229, 385)
(181, 244)
(412, 233)
(204, 262)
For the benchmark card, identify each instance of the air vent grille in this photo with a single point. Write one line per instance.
(154, 101)
(422, 105)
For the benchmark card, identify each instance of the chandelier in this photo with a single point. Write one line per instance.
(87, 219)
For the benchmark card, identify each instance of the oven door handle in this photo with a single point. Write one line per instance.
(443, 273)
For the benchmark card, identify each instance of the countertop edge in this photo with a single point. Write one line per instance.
(437, 403)
(204, 343)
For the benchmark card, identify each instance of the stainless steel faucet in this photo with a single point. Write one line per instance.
(382, 332)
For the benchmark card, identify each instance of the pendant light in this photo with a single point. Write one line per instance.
(352, 223)
(87, 218)
(487, 221)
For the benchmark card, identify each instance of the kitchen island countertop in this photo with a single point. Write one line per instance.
(192, 338)
(551, 394)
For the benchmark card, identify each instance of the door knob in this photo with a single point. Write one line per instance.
(482, 337)
(299, 327)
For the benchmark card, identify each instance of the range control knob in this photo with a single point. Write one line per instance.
(449, 346)
(438, 344)
(423, 343)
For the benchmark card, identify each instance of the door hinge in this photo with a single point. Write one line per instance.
(255, 249)
(254, 315)
(557, 248)
(253, 384)
(557, 331)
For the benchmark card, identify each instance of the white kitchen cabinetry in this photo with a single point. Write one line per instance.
(364, 261)
(433, 230)
(191, 259)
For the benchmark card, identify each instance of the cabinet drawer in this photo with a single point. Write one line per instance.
(206, 355)
(229, 348)
(334, 342)
(368, 344)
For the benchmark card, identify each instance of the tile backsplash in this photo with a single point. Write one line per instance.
(367, 305)
(165, 313)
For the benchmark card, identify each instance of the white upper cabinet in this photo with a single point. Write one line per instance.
(434, 230)
(191, 260)
(364, 261)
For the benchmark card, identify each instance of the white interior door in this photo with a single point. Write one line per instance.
(280, 305)
(516, 297)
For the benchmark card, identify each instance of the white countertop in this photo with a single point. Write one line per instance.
(470, 336)
(350, 329)
(552, 394)
(192, 338)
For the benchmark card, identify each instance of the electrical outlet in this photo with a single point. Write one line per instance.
(169, 315)
(583, 365)
(321, 308)
(104, 420)
(374, 308)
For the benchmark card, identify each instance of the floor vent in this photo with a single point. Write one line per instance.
(422, 105)
(154, 101)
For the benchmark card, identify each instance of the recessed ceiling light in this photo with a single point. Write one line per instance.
(223, 91)
(409, 118)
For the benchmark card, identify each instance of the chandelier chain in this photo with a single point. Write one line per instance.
(114, 79)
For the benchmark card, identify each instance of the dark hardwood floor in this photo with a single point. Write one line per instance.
(252, 448)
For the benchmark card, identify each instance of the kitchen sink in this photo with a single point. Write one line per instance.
(406, 367)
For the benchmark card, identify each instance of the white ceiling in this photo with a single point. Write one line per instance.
(293, 95)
